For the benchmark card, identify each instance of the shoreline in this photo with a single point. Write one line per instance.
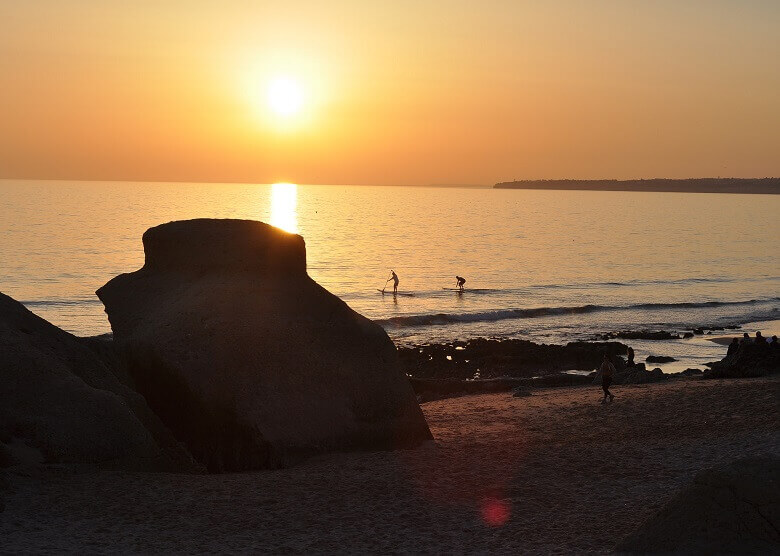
(485, 483)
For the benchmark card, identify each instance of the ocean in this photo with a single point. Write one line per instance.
(549, 266)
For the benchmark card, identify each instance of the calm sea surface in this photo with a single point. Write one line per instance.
(544, 265)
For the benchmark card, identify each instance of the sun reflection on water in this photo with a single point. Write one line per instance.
(284, 200)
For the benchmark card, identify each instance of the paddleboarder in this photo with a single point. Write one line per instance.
(394, 278)
(460, 281)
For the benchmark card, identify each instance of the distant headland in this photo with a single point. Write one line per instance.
(698, 185)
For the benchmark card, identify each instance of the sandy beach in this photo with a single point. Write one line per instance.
(554, 472)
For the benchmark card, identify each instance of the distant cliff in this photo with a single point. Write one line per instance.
(700, 185)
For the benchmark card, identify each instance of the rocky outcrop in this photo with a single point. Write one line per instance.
(429, 389)
(247, 359)
(59, 403)
(437, 389)
(491, 358)
(748, 361)
(734, 509)
(642, 335)
(637, 374)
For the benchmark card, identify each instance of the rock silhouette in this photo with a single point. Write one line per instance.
(750, 360)
(731, 509)
(59, 403)
(249, 361)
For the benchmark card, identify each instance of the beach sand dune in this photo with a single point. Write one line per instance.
(555, 472)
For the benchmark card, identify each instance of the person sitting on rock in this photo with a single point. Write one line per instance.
(745, 339)
(460, 281)
(607, 372)
(760, 340)
(630, 356)
(773, 343)
(733, 347)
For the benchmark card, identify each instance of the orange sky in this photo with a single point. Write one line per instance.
(409, 92)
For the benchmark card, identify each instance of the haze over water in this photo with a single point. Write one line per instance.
(544, 265)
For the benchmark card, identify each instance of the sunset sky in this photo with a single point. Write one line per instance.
(408, 92)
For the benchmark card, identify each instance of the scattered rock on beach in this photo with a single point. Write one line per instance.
(733, 509)
(493, 358)
(60, 404)
(642, 335)
(249, 361)
(692, 372)
(659, 359)
(633, 375)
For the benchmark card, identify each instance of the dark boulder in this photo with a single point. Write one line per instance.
(521, 392)
(692, 372)
(750, 360)
(732, 509)
(59, 403)
(249, 361)
(659, 359)
(633, 375)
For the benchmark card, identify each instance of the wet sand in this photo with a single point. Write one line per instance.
(555, 472)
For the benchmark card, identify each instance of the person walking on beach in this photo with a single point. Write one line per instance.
(394, 278)
(460, 281)
(607, 371)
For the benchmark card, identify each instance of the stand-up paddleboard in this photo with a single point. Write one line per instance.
(454, 290)
(383, 292)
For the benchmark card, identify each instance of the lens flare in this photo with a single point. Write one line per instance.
(495, 511)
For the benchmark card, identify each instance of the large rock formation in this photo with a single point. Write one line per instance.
(249, 361)
(59, 403)
(734, 509)
(749, 360)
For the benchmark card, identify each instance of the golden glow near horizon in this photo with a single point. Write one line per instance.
(404, 93)
(284, 200)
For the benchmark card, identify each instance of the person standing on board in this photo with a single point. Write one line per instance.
(460, 282)
(394, 278)
(607, 371)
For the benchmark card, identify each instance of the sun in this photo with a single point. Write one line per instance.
(284, 96)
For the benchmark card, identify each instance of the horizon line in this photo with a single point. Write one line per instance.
(442, 185)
